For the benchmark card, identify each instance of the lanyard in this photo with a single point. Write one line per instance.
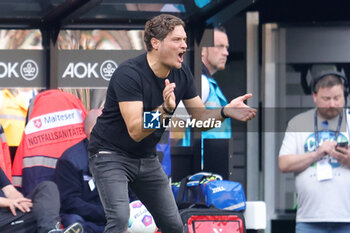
(316, 127)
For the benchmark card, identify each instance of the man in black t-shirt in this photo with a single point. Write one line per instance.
(121, 151)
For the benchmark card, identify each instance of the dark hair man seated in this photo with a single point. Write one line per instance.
(80, 201)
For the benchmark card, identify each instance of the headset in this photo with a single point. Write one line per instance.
(339, 75)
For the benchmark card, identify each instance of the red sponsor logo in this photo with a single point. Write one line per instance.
(37, 123)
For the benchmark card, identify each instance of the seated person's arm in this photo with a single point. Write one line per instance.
(8, 203)
(7, 188)
(15, 200)
(11, 192)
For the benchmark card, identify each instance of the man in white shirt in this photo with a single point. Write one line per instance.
(315, 149)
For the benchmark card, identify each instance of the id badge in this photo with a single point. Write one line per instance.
(324, 170)
(92, 184)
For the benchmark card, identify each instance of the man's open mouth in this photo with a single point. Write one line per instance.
(181, 56)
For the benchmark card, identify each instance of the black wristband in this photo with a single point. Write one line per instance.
(222, 112)
(166, 110)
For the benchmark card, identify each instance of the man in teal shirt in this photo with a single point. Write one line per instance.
(213, 60)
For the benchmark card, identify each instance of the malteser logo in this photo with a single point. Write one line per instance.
(107, 69)
(37, 123)
(29, 70)
(53, 120)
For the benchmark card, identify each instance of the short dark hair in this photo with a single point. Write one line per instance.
(220, 28)
(328, 81)
(159, 27)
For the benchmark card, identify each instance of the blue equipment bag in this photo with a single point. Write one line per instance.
(224, 194)
(207, 189)
(188, 192)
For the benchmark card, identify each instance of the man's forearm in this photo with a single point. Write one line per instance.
(296, 163)
(204, 114)
(211, 114)
(138, 133)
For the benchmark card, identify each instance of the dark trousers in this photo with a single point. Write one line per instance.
(43, 217)
(114, 171)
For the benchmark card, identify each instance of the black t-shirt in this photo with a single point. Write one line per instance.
(135, 81)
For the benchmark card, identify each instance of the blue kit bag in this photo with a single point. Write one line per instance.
(188, 192)
(207, 189)
(224, 194)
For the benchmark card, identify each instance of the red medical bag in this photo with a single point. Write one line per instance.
(212, 220)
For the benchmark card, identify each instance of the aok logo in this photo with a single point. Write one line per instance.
(29, 70)
(88, 70)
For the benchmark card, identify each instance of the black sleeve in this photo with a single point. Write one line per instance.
(127, 84)
(4, 181)
(69, 184)
(191, 91)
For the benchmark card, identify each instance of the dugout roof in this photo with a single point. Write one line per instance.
(110, 14)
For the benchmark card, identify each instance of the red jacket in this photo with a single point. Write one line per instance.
(55, 123)
(5, 158)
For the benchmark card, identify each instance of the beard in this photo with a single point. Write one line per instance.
(329, 113)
